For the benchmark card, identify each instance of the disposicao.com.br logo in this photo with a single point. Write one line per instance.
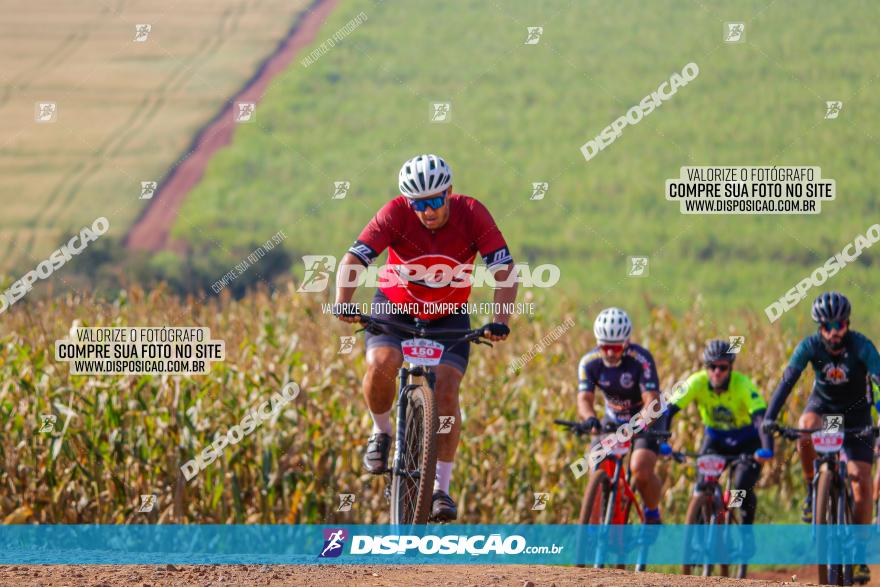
(431, 544)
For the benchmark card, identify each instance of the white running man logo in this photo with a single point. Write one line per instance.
(334, 542)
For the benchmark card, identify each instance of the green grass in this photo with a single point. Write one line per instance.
(520, 113)
(126, 111)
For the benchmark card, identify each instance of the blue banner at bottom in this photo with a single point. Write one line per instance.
(444, 544)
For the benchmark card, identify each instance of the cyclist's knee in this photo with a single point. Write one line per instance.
(810, 420)
(384, 358)
(643, 470)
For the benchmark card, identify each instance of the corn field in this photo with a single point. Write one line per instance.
(117, 438)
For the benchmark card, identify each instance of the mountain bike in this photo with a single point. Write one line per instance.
(711, 508)
(411, 476)
(609, 498)
(833, 502)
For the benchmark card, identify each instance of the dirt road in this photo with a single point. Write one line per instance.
(346, 575)
(150, 231)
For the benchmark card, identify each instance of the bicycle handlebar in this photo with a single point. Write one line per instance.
(447, 334)
(794, 433)
(609, 428)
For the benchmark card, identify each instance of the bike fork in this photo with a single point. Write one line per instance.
(400, 428)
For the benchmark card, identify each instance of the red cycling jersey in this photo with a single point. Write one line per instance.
(416, 273)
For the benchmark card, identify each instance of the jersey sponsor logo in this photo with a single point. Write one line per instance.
(835, 374)
(722, 415)
(500, 256)
(626, 380)
(363, 251)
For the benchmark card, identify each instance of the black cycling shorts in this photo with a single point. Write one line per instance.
(456, 355)
(857, 448)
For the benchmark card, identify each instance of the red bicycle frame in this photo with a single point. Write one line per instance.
(622, 495)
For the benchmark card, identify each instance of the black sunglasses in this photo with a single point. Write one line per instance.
(835, 325)
(717, 367)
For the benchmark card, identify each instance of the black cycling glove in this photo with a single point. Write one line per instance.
(497, 329)
(588, 426)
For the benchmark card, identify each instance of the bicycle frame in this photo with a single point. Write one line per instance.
(840, 478)
(616, 510)
(713, 488)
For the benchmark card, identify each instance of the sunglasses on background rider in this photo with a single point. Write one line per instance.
(722, 367)
(612, 347)
(836, 325)
(423, 204)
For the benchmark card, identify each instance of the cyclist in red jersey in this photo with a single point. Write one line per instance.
(432, 237)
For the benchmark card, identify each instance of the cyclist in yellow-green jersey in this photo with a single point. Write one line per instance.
(731, 408)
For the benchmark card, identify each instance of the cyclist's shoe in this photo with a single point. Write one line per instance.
(807, 511)
(376, 455)
(861, 574)
(443, 507)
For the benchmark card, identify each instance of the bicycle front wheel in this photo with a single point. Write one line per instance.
(736, 571)
(700, 513)
(412, 486)
(597, 497)
(825, 512)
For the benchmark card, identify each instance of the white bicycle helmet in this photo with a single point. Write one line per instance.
(612, 325)
(424, 175)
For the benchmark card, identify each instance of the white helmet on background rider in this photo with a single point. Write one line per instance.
(424, 175)
(612, 325)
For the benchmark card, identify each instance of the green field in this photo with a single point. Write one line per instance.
(519, 115)
(126, 111)
(521, 112)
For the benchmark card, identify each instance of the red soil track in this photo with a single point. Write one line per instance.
(150, 231)
(348, 575)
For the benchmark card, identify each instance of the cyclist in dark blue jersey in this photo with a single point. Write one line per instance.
(626, 375)
(844, 361)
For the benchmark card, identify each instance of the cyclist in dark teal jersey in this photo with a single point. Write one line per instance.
(844, 361)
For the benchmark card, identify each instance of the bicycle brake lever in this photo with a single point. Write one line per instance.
(485, 342)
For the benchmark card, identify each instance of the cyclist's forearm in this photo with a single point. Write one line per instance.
(786, 384)
(586, 408)
(506, 294)
(766, 438)
(349, 268)
(671, 411)
(652, 409)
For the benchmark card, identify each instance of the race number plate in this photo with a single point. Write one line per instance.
(827, 442)
(710, 466)
(621, 448)
(421, 351)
